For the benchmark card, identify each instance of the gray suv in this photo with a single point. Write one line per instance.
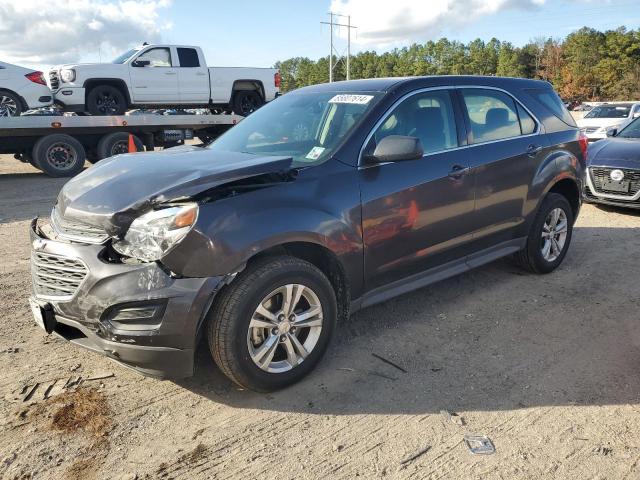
(327, 200)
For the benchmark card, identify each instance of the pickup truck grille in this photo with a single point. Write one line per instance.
(75, 230)
(55, 276)
(54, 81)
(600, 174)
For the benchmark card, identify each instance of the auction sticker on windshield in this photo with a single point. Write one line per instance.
(350, 98)
(315, 153)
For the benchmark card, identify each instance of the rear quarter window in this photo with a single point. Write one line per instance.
(551, 101)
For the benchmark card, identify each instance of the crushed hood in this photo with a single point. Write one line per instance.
(615, 152)
(118, 189)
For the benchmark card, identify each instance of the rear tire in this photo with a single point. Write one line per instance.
(106, 100)
(58, 155)
(115, 144)
(235, 341)
(542, 254)
(10, 104)
(246, 102)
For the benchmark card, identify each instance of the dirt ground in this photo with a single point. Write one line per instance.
(548, 367)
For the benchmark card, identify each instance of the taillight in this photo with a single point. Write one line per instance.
(36, 77)
(276, 79)
(583, 141)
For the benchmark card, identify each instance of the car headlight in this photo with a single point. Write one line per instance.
(152, 235)
(67, 75)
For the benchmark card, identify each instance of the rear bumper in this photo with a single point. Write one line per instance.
(35, 95)
(162, 346)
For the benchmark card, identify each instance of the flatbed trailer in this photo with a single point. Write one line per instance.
(59, 145)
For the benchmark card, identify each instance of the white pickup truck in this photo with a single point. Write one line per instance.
(161, 75)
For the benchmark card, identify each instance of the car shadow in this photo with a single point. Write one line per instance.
(495, 338)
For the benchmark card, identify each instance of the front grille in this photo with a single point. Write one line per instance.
(600, 174)
(590, 129)
(55, 275)
(75, 230)
(54, 80)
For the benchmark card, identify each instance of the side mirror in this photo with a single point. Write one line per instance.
(141, 63)
(396, 148)
(636, 115)
(612, 132)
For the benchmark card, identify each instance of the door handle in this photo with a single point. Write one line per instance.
(457, 171)
(533, 150)
(169, 73)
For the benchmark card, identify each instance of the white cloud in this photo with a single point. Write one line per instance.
(38, 32)
(384, 22)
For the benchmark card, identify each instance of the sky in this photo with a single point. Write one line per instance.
(40, 34)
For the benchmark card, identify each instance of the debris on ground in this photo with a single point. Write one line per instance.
(381, 375)
(100, 376)
(75, 367)
(415, 455)
(12, 350)
(389, 362)
(479, 444)
(600, 450)
(85, 409)
(453, 417)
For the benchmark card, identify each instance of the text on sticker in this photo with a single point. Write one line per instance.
(350, 98)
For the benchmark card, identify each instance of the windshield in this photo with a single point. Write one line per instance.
(305, 126)
(631, 131)
(609, 111)
(125, 56)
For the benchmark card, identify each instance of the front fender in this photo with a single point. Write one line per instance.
(324, 210)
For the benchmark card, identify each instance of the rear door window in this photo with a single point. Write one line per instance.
(492, 115)
(188, 57)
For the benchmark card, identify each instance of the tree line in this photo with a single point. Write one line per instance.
(587, 65)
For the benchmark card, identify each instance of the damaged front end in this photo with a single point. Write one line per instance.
(100, 279)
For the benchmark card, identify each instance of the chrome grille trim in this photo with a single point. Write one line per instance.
(56, 276)
(599, 174)
(54, 81)
(76, 231)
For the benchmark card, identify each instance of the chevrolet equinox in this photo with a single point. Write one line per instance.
(329, 199)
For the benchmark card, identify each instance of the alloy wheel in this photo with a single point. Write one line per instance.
(8, 106)
(285, 328)
(554, 234)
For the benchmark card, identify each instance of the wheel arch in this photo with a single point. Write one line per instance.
(114, 82)
(568, 188)
(248, 84)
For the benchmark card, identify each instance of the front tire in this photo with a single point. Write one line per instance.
(549, 237)
(106, 100)
(271, 326)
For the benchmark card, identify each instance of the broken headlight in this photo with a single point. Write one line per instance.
(153, 234)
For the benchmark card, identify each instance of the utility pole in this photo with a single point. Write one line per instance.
(332, 49)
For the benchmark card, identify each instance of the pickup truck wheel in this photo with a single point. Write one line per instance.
(271, 326)
(10, 105)
(246, 102)
(106, 100)
(59, 155)
(549, 237)
(115, 144)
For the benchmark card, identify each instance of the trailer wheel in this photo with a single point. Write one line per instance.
(106, 100)
(246, 102)
(59, 155)
(115, 144)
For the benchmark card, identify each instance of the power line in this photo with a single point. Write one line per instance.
(332, 49)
